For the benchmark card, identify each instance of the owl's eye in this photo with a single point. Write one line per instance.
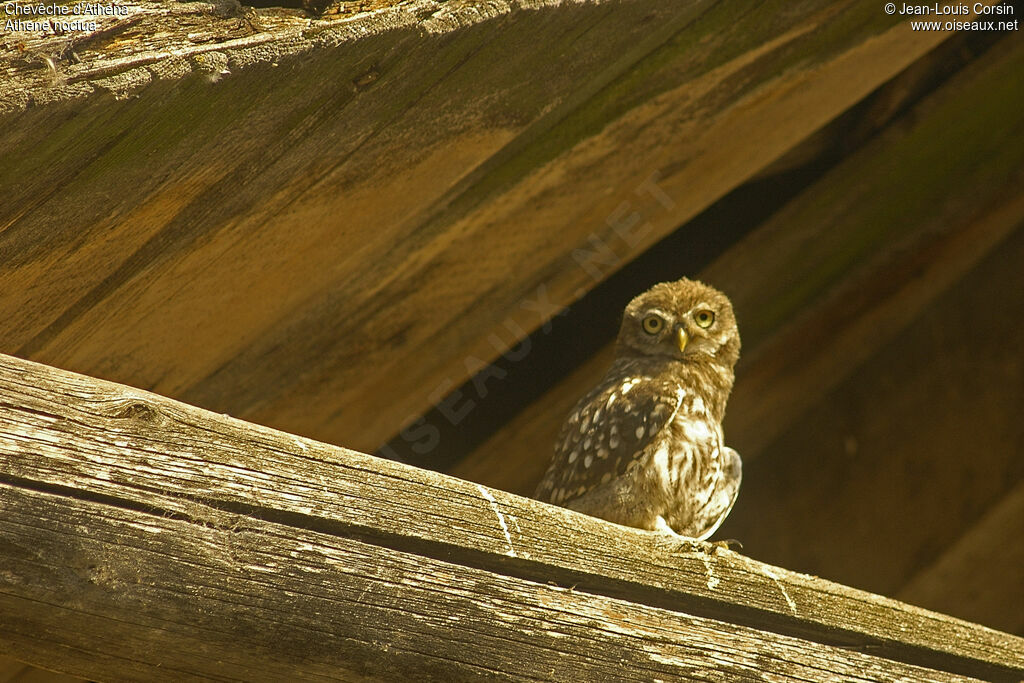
(652, 324)
(704, 318)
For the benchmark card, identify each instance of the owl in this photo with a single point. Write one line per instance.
(644, 447)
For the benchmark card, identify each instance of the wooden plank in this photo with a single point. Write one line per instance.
(841, 270)
(231, 598)
(158, 466)
(330, 230)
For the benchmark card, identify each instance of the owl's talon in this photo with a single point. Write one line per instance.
(727, 544)
(686, 543)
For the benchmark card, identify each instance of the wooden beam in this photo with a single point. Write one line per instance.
(144, 538)
(336, 217)
(265, 602)
(841, 270)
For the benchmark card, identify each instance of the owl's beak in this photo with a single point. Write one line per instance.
(681, 339)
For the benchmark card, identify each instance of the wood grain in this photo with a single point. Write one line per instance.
(173, 517)
(328, 237)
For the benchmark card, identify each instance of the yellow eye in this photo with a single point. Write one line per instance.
(652, 324)
(704, 318)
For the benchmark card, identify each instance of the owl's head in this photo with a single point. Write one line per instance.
(683, 320)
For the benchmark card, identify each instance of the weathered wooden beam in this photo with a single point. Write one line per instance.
(160, 598)
(381, 187)
(842, 269)
(146, 539)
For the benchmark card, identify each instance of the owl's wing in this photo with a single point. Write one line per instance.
(706, 521)
(606, 431)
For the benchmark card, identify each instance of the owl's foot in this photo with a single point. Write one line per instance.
(689, 544)
(679, 542)
(727, 544)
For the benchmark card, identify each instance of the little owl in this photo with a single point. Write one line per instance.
(644, 447)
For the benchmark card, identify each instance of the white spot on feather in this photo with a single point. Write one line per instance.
(698, 405)
(573, 456)
(660, 460)
(695, 430)
(629, 384)
(640, 432)
(588, 461)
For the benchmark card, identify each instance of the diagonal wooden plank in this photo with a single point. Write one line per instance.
(144, 597)
(69, 437)
(337, 219)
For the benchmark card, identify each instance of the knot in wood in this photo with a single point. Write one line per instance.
(137, 410)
